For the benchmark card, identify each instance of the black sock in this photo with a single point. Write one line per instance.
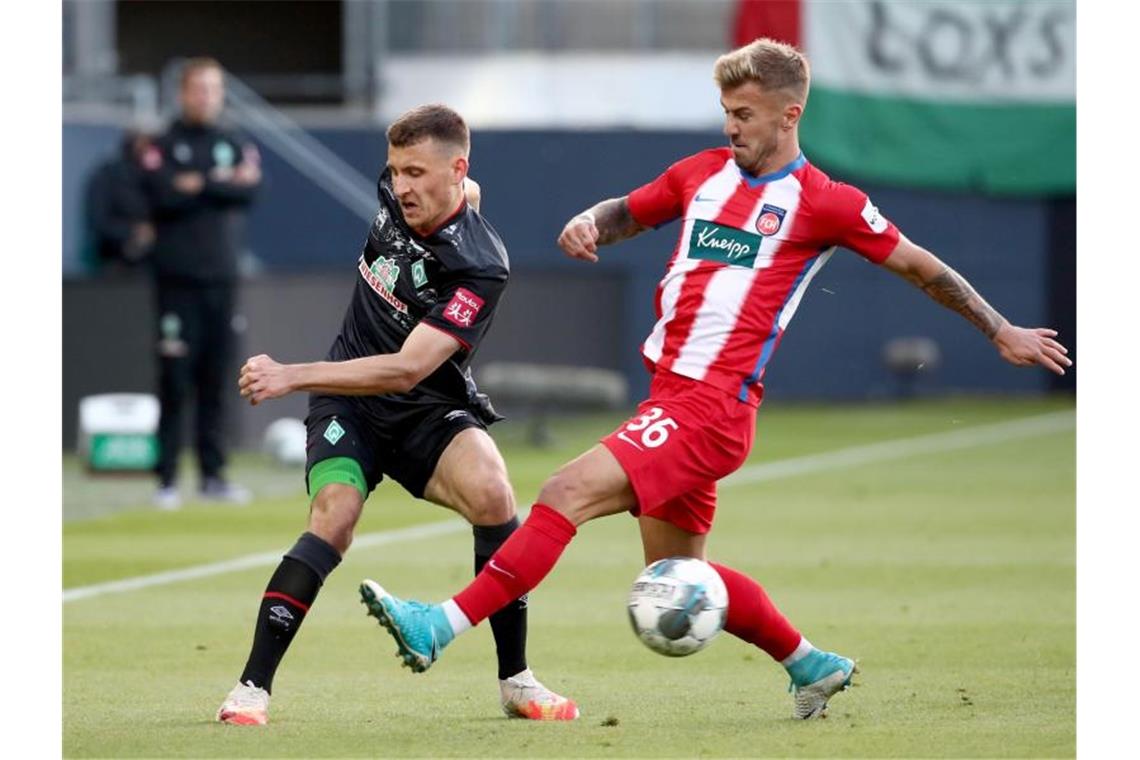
(508, 624)
(285, 603)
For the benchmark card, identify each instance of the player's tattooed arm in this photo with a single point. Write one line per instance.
(604, 223)
(952, 291)
(1017, 345)
(614, 221)
(927, 272)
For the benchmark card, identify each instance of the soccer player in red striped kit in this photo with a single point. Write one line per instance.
(759, 222)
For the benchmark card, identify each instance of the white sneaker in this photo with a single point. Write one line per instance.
(524, 697)
(167, 498)
(216, 489)
(245, 705)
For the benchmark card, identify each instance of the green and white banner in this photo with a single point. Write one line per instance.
(948, 94)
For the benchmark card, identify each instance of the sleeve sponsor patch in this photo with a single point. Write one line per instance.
(463, 308)
(873, 218)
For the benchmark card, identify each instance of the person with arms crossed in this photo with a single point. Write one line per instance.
(758, 223)
(201, 179)
(395, 397)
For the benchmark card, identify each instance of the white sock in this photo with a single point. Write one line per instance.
(802, 651)
(459, 622)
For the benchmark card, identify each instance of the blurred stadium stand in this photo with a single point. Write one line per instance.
(314, 83)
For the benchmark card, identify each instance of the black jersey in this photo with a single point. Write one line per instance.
(451, 280)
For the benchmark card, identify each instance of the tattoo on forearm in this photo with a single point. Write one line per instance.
(614, 222)
(952, 291)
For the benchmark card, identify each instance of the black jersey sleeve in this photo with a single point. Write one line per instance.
(466, 305)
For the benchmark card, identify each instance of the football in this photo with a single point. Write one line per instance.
(677, 605)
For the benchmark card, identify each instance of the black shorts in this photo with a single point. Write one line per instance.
(400, 438)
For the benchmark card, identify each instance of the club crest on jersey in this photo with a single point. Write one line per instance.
(387, 270)
(770, 219)
(381, 277)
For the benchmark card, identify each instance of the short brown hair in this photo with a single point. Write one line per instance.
(772, 65)
(194, 65)
(433, 120)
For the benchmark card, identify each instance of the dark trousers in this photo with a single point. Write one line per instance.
(195, 347)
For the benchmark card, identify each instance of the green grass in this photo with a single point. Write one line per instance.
(950, 576)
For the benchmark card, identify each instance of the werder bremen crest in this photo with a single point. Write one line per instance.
(387, 270)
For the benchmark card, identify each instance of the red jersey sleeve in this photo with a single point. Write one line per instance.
(854, 222)
(657, 202)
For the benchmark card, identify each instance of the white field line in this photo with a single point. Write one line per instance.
(901, 448)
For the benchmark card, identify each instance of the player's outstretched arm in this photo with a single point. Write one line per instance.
(607, 222)
(425, 349)
(1017, 345)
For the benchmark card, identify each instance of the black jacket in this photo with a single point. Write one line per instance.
(199, 237)
(116, 202)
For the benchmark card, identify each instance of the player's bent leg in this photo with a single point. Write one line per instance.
(471, 478)
(293, 588)
(335, 510)
(590, 486)
(421, 631)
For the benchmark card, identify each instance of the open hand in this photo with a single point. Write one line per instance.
(1028, 346)
(261, 378)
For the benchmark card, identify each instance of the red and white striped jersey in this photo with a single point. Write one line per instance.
(749, 247)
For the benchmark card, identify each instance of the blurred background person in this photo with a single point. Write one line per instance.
(117, 208)
(201, 177)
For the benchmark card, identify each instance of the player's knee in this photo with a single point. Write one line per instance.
(491, 501)
(569, 494)
(334, 513)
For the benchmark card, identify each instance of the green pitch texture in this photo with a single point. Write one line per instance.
(950, 577)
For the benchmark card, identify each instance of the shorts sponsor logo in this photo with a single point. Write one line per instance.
(728, 245)
(334, 432)
(381, 277)
(873, 218)
(463, 308)
(770, 219)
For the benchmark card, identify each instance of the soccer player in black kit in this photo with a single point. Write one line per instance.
(395, 397)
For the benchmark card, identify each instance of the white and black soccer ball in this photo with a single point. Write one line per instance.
(677, 605)
(284, 442)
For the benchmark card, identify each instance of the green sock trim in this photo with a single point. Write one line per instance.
(337, 470)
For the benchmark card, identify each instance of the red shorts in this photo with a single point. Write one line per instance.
(683, 439)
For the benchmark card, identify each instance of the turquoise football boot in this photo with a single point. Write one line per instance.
(421, 630)
(815, 679)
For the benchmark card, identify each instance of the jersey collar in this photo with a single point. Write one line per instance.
(780, 173)
(451, 218)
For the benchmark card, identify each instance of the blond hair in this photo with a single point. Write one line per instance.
(772, 65)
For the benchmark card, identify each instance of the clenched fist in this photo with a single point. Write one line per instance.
(261, 378)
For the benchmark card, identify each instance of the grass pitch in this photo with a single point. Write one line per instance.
(949, 575)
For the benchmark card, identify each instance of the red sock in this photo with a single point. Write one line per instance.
(753, 617)
(519, 565)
